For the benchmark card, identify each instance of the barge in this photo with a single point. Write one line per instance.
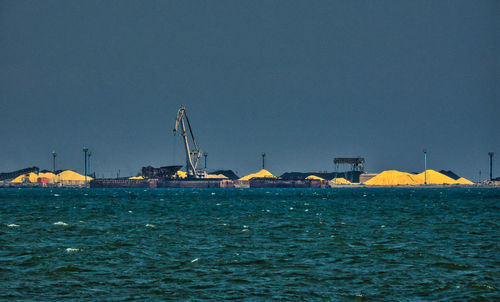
(287, 183)
(160, 183)
(123, 183)
(196, 183)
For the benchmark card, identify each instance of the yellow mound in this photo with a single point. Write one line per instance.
(18, 179)
(435, 178)
(51, 176)
(314, 177)
(393, 178)
(69, 175)
(30, 177)
(136, 177)
(261, 174)
(463, 181)
(340, 181)
(219, 176)
(180, 174)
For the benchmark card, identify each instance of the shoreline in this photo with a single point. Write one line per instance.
(353, 186)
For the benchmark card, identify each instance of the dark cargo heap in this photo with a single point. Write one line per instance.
(163, 177)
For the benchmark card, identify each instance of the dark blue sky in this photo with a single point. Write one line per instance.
(304, 81)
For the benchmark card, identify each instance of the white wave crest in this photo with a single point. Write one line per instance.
(150, 225)
(13, 225)
(60, 223)
(72, 250)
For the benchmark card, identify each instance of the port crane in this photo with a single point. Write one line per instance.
(192, 156)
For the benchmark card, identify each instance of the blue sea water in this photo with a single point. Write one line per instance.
(250, 244)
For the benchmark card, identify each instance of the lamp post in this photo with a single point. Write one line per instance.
(425, 166)
(491, 164)
(263, 160)
(205, 155)
(54, 154)
(89, 155)
(85, 150)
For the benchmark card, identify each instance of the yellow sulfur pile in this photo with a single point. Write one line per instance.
(463, 181)
(136, 177)
(393, 178)
(261, 174)
(180, 174)
(217, 176)
(340, 181)
(435, 178)
(51, 176)
(65, 176)
(31, 177)
(69, 175)
(314, 177)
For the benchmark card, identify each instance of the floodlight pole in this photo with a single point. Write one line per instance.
(263, 160)
(205, 155)
(425, 166)
(85, 150)
(54, 154)
(89, 155)
(491, 165)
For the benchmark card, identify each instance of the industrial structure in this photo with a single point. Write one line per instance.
(14, 174)
(355, 167)
(355, 163)
(352, 176)
(192, 156)
(168, 176)
(162, 172)
(348, 171)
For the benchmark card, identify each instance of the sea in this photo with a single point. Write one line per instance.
(343, 244)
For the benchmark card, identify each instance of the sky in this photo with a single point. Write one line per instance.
(302, 81)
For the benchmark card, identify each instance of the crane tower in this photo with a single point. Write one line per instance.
(192, 155)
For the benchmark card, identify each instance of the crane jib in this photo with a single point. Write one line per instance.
(192, 156)
(190, 130)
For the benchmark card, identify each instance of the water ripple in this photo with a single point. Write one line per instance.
(282, 244)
